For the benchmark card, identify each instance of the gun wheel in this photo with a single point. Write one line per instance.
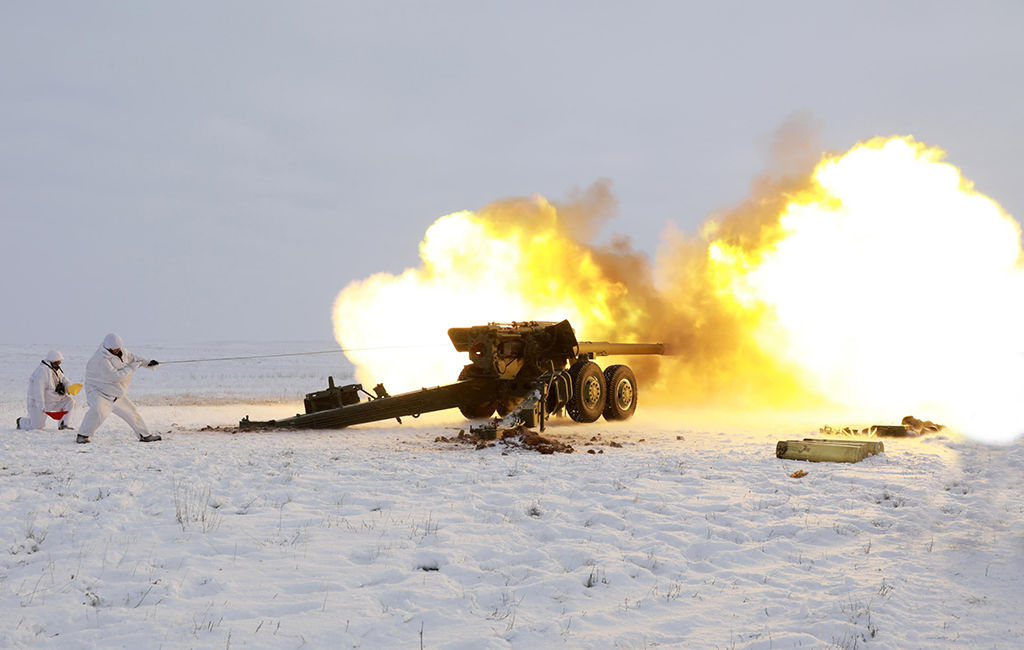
(588, 392)
(476, 411)
(621, 384)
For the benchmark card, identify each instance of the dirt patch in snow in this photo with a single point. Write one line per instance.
(517, 438)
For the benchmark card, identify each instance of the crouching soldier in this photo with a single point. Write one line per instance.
(49, 395)
(107, 378)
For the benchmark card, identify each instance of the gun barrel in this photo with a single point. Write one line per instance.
(604, 348)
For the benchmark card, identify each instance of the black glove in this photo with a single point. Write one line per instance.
(152, 363)
(60, 388)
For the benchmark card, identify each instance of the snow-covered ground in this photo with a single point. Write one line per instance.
(379, 537)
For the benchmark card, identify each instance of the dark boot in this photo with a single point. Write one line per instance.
(17, 423)
(63, 426)
(153, 437)
(80, 439)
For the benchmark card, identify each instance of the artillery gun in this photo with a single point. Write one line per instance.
(523, 371)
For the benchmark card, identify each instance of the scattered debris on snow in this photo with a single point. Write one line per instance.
(920, 427)
(518, 437)
(484, 437)
(908, 427)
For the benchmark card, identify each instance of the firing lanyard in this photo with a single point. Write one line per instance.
(297, 354)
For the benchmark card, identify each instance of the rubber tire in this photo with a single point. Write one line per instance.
(476, 411)
(586, 376)
(621, 383)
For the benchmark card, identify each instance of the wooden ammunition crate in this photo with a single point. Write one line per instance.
(833, 451)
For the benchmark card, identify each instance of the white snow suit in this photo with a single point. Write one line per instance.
(107, 378)
(45, 398)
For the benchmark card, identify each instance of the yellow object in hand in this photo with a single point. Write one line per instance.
(74, 388)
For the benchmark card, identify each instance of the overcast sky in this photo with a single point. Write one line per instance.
(208, 171)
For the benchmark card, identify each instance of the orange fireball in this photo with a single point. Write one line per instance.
(881, 283)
